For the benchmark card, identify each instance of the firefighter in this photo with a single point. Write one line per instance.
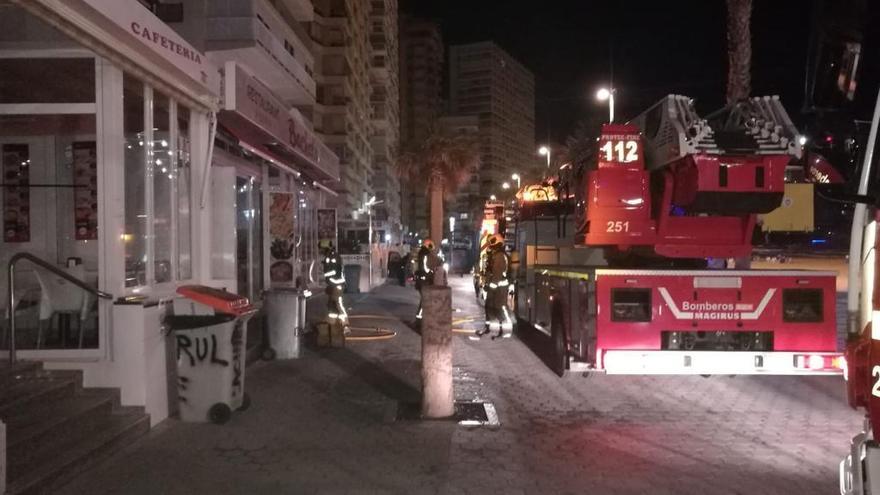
(335, 280)
(426, 260)
(480, 268)
(496, 280)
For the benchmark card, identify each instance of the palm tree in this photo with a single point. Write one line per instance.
(442, 164)
(580, 145)
(739, 50)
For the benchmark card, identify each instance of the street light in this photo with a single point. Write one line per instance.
(607, 94)
(517, 178)
(493, 197)
(505, 185)
(545, 151)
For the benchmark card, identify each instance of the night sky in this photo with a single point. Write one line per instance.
(658, 47)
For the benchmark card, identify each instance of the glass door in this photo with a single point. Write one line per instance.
(249, 237)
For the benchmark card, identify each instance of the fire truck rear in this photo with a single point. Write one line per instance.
(624, 268)
(860, 470)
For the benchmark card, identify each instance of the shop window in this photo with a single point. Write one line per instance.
(135, 235)
(249, 238)
(307, 254)
(257, 250)
(158, 184)
(163, 188)
(184, 201)
(72, 81)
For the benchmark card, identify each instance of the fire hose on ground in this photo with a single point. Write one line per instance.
(369, 333)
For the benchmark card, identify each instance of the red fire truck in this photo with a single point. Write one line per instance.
(860, 470)
(622, 258)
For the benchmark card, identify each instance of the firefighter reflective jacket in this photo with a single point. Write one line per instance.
(497, 267)
(333, 269)
(426, 262)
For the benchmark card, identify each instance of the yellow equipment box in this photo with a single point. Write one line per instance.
(796, 212)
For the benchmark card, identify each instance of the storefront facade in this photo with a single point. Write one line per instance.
(139, 166)
(276, 159)
(105, 139)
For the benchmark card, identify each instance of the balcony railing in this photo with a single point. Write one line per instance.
(265, 28)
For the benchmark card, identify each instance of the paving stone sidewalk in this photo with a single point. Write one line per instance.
(324, 424)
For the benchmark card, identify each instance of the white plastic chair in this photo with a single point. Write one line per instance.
(21, 295)
(58, 296)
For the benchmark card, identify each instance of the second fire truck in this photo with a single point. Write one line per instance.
(623, 259)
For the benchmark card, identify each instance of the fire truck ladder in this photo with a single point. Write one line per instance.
(765, 120)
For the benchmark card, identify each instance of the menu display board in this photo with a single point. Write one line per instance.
(15, 162)
(281, 238)
(85, 192)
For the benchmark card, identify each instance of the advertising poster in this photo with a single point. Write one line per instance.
(15, 160)
(281, 238)
(85, 192)
(326, 227)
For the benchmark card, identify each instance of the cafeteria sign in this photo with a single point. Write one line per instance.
(157, 36)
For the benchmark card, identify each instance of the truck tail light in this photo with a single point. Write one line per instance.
(818, 362)
(802, 305)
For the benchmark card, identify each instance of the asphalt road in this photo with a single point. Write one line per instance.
(326, 424)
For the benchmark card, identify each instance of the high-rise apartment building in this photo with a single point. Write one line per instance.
(385, 102)
(421, 85)
(484, 80)
(342, 114)
(352, 71)
(266, 36)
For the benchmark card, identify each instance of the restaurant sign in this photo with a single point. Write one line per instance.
(251, 99)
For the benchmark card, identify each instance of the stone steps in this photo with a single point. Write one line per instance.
(55, 429)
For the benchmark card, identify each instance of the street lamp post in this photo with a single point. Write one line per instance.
(505, 185)
(517, 178)
(607, 94)
(545, 151)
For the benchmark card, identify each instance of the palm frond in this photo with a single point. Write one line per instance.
(448, 159)
(580, 146)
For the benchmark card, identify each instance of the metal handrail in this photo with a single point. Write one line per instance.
(10, 285)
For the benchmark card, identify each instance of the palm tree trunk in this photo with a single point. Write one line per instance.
(438, 395)
(436, 192)
(739, 50)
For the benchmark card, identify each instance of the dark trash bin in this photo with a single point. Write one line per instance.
(352, 278)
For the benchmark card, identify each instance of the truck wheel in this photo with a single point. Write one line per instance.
(559, 361)
(219, 413)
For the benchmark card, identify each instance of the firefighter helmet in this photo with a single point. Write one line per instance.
(495, 240)
(428, 243)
